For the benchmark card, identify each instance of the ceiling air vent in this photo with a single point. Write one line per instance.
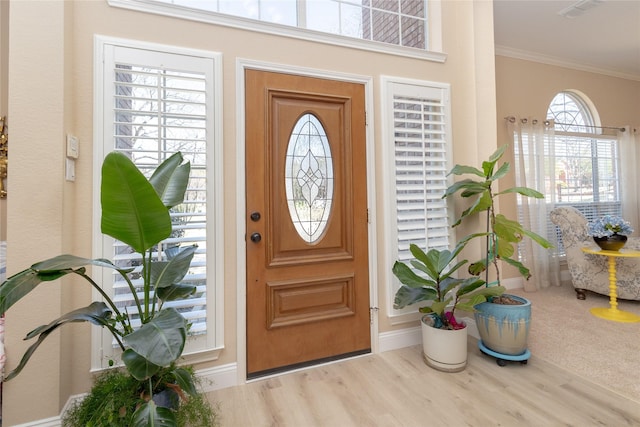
(579, 8)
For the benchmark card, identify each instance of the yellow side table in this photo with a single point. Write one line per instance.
(613, 313)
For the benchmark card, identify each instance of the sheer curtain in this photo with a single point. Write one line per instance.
(533, 146)
(629, 142)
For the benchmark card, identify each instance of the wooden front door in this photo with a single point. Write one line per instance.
(306, 221)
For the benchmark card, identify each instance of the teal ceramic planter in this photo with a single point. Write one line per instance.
(504, 328)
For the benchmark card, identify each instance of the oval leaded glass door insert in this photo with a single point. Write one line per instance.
(309, 178)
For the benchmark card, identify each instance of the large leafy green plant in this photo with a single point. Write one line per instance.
(502, 234)
(135, 211)
(438, 285)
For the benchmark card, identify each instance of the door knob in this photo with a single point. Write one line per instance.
(255, 216)
(256, 237)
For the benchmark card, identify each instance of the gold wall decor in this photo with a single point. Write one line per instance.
(4, 155)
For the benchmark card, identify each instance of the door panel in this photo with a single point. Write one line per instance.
(307, 231)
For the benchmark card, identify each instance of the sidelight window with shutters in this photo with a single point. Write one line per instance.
(418, 147)
(155, 101)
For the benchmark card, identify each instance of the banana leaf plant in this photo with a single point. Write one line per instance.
(438, 285)
(502, 234)
(135, 211)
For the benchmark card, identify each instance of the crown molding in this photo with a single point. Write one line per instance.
(560, 62)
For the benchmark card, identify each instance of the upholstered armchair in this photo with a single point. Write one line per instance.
(591, 272)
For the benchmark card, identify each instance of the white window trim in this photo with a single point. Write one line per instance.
(434, 23)
(215, 197)
(390, 254)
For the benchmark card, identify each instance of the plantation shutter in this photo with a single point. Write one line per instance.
(160, 105)
(421, 153)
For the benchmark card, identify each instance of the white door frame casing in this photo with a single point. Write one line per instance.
(241, 307)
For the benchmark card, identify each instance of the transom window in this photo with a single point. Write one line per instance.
(396, 22)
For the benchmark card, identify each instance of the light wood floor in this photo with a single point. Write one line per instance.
(397, 389)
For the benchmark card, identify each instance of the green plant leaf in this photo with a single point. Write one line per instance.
(170, 180)
(176, 292)
(469, 185)
(538, 239)
(506, 249)
(132, 211)
(438, 307)
(167, 273)
(17, 286)
(65, 262)
(487, 168)
(479, 296)
(473, 190)
(151, 415)
(406, 296)
(478, 267)
(139, 367)
(469, 285)
(184, 379)
(463, 169)
(481, 204)
(418, 253)
(20, 284)
(524, 271)
(161, 340)
(498, 153)
(97, 313)
(407, 277)
(502, 171)
(453, 269)
(524, 191)
(507, 229)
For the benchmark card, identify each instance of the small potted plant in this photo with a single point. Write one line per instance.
(444, 338)
(610, 232)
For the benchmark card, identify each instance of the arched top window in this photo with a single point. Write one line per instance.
(570, 113)
(585, 163)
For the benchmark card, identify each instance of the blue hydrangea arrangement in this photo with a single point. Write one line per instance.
(608, 225)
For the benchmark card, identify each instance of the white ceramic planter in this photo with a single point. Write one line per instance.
(444, 349)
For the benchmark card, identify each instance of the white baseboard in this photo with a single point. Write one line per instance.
(218, 377)
(49, 422)
(399, 339)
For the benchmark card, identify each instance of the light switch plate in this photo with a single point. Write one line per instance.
(72, 147)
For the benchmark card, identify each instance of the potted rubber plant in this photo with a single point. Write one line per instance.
(135, 211)
(430, 278)
(503, 322)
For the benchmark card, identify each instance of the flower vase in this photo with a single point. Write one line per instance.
(611, 243)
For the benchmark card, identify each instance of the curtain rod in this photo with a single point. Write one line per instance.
(512, 119)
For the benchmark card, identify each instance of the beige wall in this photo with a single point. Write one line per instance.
(4, 70)
(525, 89)
(51, 78)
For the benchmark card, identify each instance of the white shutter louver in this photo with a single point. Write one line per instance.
(157, 113)
(421, 167)
(417, 117)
